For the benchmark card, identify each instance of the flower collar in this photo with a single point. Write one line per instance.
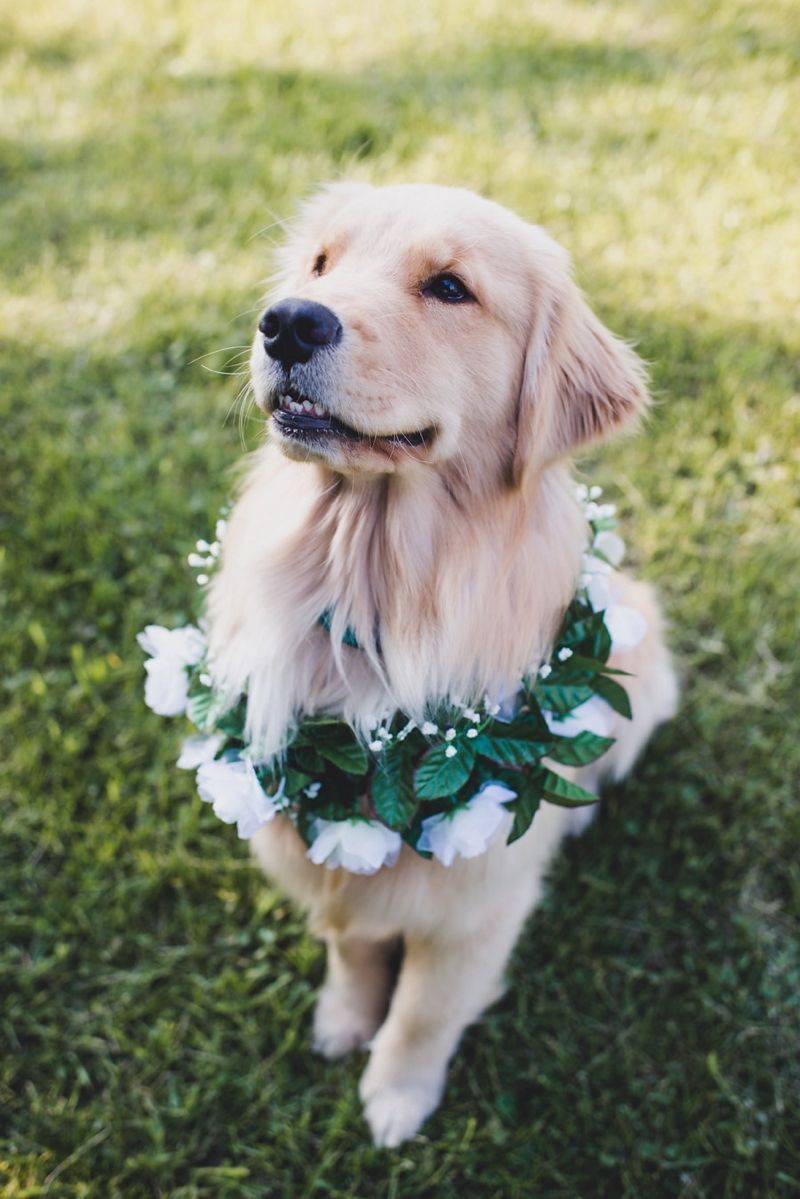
(446, 787)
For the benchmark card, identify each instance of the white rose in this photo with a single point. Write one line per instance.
(360, 846)
(610, 545)
(626, 625)
(195, 751)
(166, 690)
(469, 829)
(594, 716)
(238, 797)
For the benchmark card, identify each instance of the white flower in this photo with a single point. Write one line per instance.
(564, 654)
(238, 797)
(195, 751)
(593, 716)
(593, 565)
(581, 493)
(610, 545)
(545, 671)
(376, 746)
(595, 493)
(429, 728)
(202, 580)
(220, 528)
(451, 751)
(626, 625)
(360, 846)
(312, 790)
(469, 829)
(450, 735)
(600, 591)
(166, 690)
(472, 733)
(599, 511)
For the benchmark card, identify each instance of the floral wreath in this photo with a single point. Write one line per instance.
(446, 787)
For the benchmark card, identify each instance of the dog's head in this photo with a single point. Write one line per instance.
(418, 324)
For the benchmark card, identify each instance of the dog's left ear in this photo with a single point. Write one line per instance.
(580, 382)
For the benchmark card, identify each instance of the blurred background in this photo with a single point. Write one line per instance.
(155, 994)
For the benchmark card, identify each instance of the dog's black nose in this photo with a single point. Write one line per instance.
(294, 329)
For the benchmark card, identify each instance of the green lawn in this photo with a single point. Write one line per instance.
(155, 995)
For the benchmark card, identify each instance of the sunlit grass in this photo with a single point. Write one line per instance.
(155, 995)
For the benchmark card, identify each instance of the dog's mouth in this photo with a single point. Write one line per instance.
(303, 419)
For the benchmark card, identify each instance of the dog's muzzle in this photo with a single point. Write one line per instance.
(294, 329)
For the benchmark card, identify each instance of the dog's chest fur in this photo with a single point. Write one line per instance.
(430, 597)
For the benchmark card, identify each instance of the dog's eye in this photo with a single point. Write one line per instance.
(448, 288)
(319, 265)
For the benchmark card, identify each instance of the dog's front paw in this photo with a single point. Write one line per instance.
(340, 1027)
(394, 1111)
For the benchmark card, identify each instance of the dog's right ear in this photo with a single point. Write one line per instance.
(580, 383)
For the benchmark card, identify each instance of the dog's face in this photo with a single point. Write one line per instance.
(426, 325)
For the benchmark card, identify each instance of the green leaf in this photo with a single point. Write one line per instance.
(337, 742)
(560, 699)
(593, 666)
(233, 721)
(566, 794)
(530, 792)
(306, 759)
(392, 788)
(296, 780)
(613, 694)
(437, 775)
(198, 709)
(589, 633)
(513, 744)
(577, 751)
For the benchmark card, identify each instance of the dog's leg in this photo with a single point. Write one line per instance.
(354, 999)
(444, 984)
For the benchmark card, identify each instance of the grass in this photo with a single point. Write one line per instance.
(155, 993)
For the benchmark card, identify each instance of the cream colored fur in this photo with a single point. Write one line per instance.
(462, 553)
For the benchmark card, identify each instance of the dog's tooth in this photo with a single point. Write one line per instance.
(319, 410)
(295, 406)
(308, 406)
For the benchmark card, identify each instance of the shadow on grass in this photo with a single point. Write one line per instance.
(191, 146)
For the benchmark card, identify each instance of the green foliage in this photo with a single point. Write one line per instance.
(156, 996)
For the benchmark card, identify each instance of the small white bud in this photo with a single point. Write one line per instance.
(545, 671)
(202, 580)
(376, 746)
(595, 493)
(472, 732)
(451, 751)
(203, 546)
(429, 729)
(564, 654)
(450, 735)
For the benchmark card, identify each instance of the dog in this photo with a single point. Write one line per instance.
(428, 366)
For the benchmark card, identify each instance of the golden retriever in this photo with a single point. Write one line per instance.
(428, 365)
